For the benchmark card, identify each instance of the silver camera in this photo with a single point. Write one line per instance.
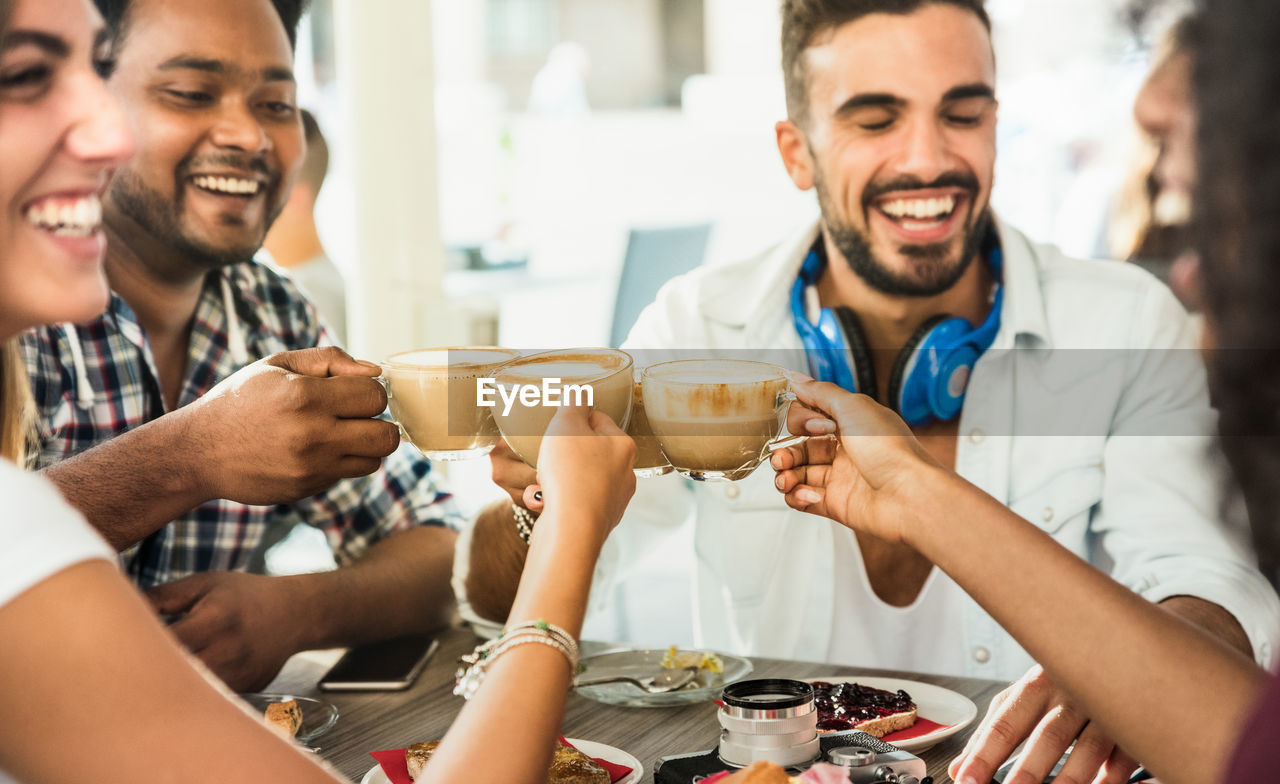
(770, 719)
(878, 763)
(776, 720)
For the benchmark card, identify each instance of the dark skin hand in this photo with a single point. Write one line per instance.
(284, 428)
(230, 620)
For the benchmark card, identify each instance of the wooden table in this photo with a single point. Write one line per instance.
(373, 721)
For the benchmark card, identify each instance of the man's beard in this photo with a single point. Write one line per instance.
(932, 269)
(161, 217)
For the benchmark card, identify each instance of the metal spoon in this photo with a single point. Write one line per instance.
(663, 682)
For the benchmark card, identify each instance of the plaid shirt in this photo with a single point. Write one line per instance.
(110, 386)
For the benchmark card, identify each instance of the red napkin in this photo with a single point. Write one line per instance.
(393, 764)
(616, 772)
(922, 727)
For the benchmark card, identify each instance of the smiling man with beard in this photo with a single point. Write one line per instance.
(1069, 390)
(208, 403)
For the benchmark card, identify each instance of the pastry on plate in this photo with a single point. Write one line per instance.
(568, 766)
(284, 717)
(416, 756)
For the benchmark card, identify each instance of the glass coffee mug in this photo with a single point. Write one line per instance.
(529, 390)
(717, 419)
(432, 397)
(650, 461)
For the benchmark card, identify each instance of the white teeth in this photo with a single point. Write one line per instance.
(79, 218)
(920, 208)
(227, 185)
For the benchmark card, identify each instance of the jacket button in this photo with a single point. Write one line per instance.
(732, 491)
(981, 655)
(1047, 514)
(976, 436)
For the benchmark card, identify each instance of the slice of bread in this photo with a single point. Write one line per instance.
(887, 725)
(851, 705)
(284, 717)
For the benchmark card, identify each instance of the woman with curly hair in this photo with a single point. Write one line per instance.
(1192, 710)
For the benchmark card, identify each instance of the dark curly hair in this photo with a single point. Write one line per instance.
(1237, 234)
(804, 21)
(116, 14)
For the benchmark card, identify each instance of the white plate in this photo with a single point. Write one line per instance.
(591, 749)
(952, 710)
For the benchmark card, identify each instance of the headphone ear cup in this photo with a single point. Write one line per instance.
(898, 384)
(864, 373)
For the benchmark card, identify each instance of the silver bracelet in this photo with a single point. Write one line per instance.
(524, 522)
(473, 667)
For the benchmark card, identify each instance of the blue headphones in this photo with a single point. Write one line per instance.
(932, 370)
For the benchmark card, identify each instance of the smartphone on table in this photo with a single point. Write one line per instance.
(392, 665)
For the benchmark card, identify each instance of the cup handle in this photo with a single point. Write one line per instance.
(785, 397)
(783, 443)
(386, 385)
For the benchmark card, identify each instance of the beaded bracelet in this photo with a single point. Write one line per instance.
(524, 522)
(473, 666)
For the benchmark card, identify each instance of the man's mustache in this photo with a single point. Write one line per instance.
(949, 180)
(247, 163)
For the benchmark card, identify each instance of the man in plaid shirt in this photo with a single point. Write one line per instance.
(157, 422)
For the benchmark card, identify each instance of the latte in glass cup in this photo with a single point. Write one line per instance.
(432, 396)
(523, 409)
(716, 419)
(650, 461)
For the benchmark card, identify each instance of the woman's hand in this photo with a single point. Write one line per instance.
(514, 475)
(585, 467)
(859, 465)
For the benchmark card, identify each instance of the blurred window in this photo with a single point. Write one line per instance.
(521, 27)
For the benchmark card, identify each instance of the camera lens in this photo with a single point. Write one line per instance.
(769, 719)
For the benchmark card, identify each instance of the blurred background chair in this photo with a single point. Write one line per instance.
(654, 256)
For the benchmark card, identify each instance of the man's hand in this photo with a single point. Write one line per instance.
(516, 477)
(1035, 710)
(239, 625)
(289, 426)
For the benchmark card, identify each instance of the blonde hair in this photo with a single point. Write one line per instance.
(16, 404)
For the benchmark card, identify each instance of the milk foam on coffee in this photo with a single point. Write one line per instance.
(567, 371)
(606, 371)
(458, 360)
(432, 398)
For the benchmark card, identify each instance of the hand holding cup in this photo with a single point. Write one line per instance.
(584, 465)
(861, 476)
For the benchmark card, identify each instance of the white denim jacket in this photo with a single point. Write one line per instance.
(1125, 479)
